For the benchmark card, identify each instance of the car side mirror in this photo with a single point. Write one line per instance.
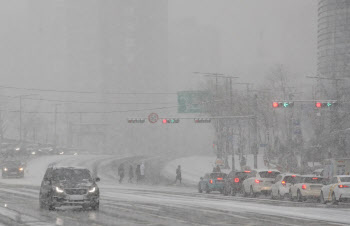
(97, 179)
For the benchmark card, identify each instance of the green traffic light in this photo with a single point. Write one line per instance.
(172, 120)
(285, 104)
(329, 104)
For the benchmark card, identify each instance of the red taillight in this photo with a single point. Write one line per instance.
(342, 186)
(293, 175)
(236, 179)
(211, 181)
(303, 186)
(269, 171)
(247, 171)
(315, 178)
(257, 181)
(283, 182)
(219, 178)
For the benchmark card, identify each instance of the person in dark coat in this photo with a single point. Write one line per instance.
(178, 174)
(138, 173)
(131, 173)
(121, 173)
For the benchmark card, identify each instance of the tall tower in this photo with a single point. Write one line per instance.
(334, 38)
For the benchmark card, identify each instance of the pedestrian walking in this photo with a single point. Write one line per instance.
(138, 173)
(121, 173)
(142, 171)
(131, 173)
(178, 174)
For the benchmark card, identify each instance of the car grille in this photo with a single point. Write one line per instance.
(75, 191)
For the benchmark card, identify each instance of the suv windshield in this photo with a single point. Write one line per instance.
(242, 174)
(313, 180)
(269, 174)
(71, 175)
(12, 163)
(218, 175)
(345, 179)
(289, 179)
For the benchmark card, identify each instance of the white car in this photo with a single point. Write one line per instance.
(281, 186)
(260, 181)
(306, 187)
(337, 190)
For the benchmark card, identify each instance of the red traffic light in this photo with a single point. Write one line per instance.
(275, 104)
(164, 121)
(318, 104)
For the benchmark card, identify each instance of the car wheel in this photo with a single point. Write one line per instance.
(233, 192)
(50, 205)
(207, 189)
(279, 196)
(252, 194)
(334, 200)
(96, 206)
(299, 196)
(199, 188)
(291, 196)
(225, 192)
(322, 201)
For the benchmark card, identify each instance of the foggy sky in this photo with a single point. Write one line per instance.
(55, 45)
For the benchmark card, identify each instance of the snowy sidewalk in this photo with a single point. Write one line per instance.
(194, 167)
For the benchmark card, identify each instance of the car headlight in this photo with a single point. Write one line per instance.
(5, 169)
(92, 190)
(21, 169)
(59, 190)
(33, 153)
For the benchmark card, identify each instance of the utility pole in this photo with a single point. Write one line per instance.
(20, 119)
(55, 126)
(20, 114)
(255, 148)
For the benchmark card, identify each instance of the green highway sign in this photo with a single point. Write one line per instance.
(193, 101)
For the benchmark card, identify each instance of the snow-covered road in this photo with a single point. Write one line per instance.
(134, 204)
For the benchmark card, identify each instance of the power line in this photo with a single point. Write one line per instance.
(85, 92)
(87, 112)
(96, 102)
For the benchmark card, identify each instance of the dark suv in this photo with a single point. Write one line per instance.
(12, 169)
(69, 186)
(234, 182)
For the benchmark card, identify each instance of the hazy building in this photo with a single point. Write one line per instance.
(334, 38)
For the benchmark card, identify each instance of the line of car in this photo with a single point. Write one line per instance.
(279, 186)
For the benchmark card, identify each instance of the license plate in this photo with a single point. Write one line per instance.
(76, 197)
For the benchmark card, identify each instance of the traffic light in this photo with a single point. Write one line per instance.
(172, 120)
(282, 104)
(202, 120)
(325, 104)
(136, 120)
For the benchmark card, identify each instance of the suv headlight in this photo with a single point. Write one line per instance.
(5, 169)
(21, 169)
(59, 190)
(92, 190)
